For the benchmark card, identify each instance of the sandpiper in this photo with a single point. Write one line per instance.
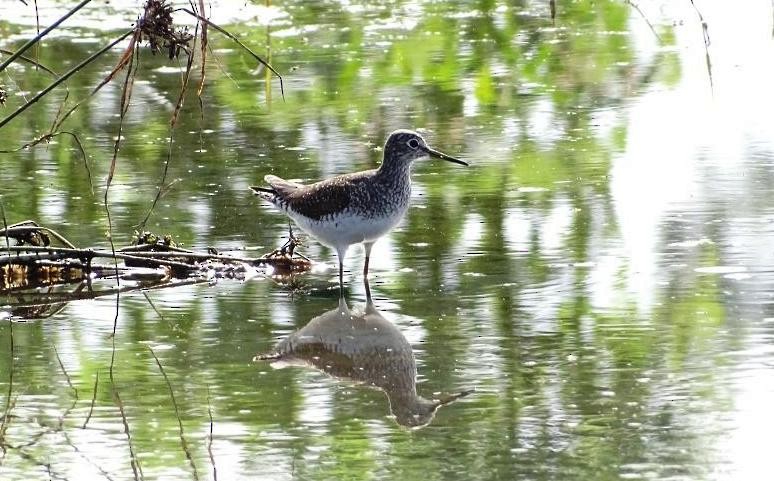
(365, 347)
(354, 208)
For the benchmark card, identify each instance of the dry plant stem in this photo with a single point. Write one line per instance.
(69, 383)
(99, 468)
(705, 33)
(43, 464)
(209, 438)
(93, 401)
(147, 298)
(47, 137)
(125, 98)
(642, 15)
(51, 135)
(63, 78)
(42, 34)
(202, 75)
(32, 62)
(8, 404)
(183, 441)
(64, 371)
(136, 469)
(122, 62)
(172, 124)
(37, 27)
(238, 42)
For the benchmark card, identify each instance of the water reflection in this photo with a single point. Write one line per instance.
(364, 347)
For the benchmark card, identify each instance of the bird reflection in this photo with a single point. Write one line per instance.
(363, 347)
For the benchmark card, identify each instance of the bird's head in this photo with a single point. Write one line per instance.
(405, 146)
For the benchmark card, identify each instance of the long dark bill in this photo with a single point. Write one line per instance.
(441, 155)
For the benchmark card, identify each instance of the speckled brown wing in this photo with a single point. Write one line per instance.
(319, 200)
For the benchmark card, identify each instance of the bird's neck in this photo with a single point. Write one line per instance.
(394, 170)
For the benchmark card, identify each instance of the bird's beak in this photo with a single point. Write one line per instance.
(441, 155)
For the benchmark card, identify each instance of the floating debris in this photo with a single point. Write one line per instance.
(30, 260)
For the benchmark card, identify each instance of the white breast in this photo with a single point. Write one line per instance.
(348, 228)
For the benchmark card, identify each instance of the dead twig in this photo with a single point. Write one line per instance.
(32, 227)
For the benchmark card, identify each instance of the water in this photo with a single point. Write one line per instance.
(601, 275)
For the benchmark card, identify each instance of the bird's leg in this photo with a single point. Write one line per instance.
(341, 252)
(367, 246)
(367, 289)
(341, 276)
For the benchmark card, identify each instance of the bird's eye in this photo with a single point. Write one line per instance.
(413, 143)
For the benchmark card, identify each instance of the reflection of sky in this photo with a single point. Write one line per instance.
(689, 158)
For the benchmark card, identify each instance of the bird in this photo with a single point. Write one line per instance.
(354, 208)
(364, 347)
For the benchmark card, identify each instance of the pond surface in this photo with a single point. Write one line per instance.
(601, 276)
